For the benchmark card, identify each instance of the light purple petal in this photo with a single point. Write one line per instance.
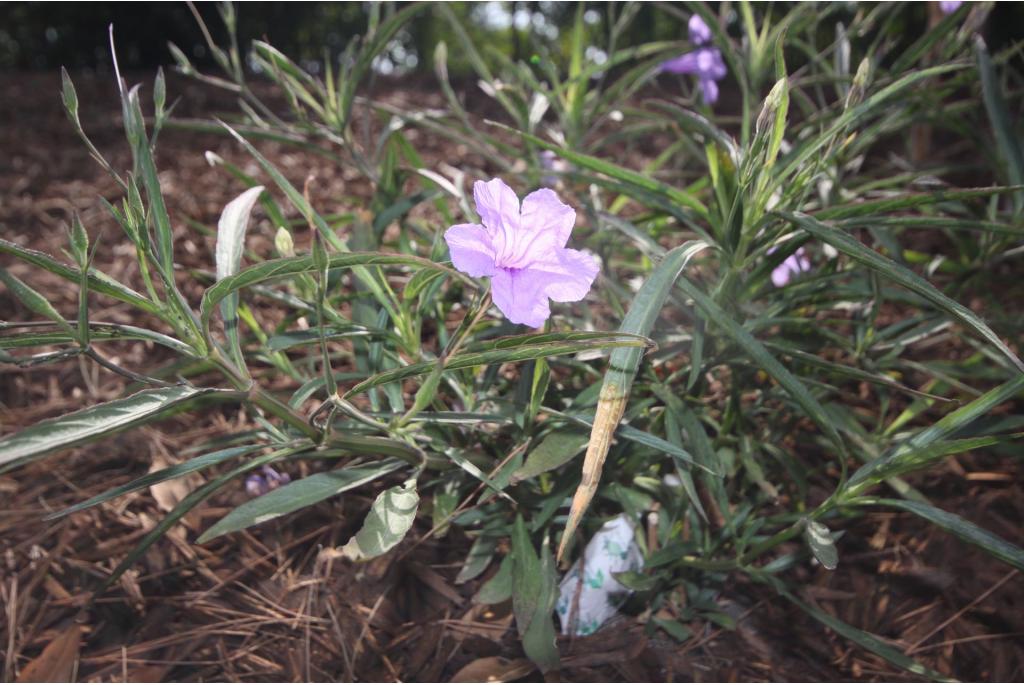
(497, 206)
(716, 68)
(949, 6)
(709, 90)
(471, 249)
(780, 275)
(684, 64)
(700, 33)
(545, 226)
(567, 278)
(520, 298)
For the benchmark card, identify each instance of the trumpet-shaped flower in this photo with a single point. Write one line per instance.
(705, 62)
(521, 248)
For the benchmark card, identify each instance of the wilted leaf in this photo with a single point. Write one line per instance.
(390, 518)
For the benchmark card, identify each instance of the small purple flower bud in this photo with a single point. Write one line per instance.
(949, 6)
(700, 32)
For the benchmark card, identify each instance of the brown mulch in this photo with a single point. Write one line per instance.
(260, 606)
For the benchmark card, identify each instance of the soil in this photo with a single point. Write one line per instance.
(258, 605)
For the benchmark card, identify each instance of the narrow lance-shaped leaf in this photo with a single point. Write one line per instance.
(763, 358)
(622, 368)
(868, 641)
(962, 528)
(533, 598)
(919, 448)
(503, 355)
(95, 422)
(35, 302)
(901, 275)
(169, 473)
(1003, 124)
(297, 495)
(291, 266)
(627, 176)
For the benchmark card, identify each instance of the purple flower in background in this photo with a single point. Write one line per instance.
(549, 161)
(949, 6)
(271, 479)
(794, 265)
(705, 62)
(522, 249)
(700, 32)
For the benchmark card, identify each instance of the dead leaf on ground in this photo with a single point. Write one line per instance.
(169, 492)
(493, 669)
(56, 664)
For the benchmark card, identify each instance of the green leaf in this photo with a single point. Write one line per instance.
(901, 275)
(169, 473)
(961, 528)
(97, 331)
(678, 631)
(390, 518)
(638, 582)
(533, 598)
(291, 266)
(35, 302)
(298, 495)
(231, 228)
(289, 339)
(499, 353)
(557, 448)
(498, 587)
(630, 178)
(151, 181)
(478, 559)
(819, 539)
(99, 282)
(763, 358)
(1008, 142)
(87, 425)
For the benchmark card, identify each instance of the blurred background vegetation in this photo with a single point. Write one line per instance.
(46, 36)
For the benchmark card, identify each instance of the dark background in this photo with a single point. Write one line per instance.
(46, 36)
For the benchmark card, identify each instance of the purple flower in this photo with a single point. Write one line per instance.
(522, 250)
(700, 32)
(794, 265)
(256, 486)
(706, 63)
(549, 161)
(271, 479)
(949, 6)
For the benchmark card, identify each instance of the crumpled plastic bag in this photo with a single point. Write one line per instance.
(613, 549)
